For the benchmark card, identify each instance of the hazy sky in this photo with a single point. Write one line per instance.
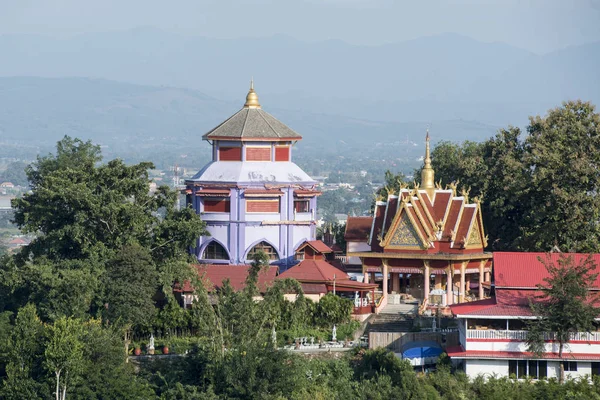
(536, 25)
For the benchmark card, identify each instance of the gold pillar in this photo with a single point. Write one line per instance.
(449, 294)
(426, 276)
(365, 274)
(385, 277)
(461, 289)
(481, 265)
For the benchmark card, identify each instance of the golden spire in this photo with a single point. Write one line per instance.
(427, 174)
(252, 97)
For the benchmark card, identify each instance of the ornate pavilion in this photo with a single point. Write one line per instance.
(251, 195)
(427, 242)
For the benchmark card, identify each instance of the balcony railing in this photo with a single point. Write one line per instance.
(522, 335)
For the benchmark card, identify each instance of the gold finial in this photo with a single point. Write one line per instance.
(252, 97)
(427, 174)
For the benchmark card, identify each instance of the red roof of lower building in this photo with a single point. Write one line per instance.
(317, 245)
(215, 274)
(525, 270)
(314, 271)
(459, 352)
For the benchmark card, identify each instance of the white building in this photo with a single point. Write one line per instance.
(493, 331)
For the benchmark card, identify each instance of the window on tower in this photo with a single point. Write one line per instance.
(214, 251)
(266, 248)
(302, 206)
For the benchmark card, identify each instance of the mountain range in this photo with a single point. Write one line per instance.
(443, 77)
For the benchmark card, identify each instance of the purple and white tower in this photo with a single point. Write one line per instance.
(251, 195)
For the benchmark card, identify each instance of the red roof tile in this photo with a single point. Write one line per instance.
(427, 223)
(524, 270)
(314, 271)
(358, 228)
(215, 274)
(450, 223)
(463, 225)
(314, 288)
(441, 203)
(317, 245)
(390, 213)
(377, 225)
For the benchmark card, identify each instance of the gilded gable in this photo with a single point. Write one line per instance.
(405, 234)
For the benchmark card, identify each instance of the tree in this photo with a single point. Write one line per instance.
(562, 157)
(565, 305)
(64, 354)
(538, 192)
(131, 281)
(84, 212)
(24, 350)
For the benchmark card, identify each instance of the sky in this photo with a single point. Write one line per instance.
(539, 26)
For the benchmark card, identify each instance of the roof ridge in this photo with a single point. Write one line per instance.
(270, 126)
(245, 121)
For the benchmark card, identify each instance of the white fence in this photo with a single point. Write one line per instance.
(522, 335)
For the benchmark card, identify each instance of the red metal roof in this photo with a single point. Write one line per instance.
(390, 213)
(215, 274)
(358, 229)
(459, 352)
(463, 225)
(314, 271)
(377, 225)
(262, 193)
(450, 223)
(525, 270)
(441, 203)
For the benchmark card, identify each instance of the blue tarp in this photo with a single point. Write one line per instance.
(422, 350)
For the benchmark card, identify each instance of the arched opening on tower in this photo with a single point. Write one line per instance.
(215, 251)
(266, 248)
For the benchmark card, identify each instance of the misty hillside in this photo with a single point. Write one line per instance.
(444, 77)
(148, 121)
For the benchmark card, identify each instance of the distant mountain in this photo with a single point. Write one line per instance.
(444, 77)
(147, 122)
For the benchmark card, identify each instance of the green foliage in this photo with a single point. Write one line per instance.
(564, 306)
(333, 310)
(130, 283)
(538, 192)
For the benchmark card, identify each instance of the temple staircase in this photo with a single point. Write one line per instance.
(393, 318)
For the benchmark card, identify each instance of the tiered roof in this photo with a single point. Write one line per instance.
(416, 219)
(251, 123)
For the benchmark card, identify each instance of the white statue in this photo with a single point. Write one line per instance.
(274, 336)
(334, 334)
(151, 342)
(433, 325)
